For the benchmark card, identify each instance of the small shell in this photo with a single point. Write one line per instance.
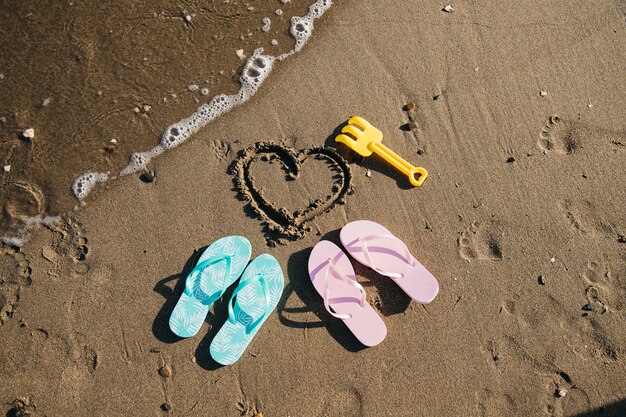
(29, 133)
(543, 93)
(448, 9)
(410, 105)
(240, 53)
(7, 168)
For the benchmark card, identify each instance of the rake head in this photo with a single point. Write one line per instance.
(359, 135)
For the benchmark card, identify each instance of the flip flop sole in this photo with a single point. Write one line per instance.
(388, 255)
(364, 322)
(232, 339)
(189, 313)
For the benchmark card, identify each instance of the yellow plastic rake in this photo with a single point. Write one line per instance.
(360, 136)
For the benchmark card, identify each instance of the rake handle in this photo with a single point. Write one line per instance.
(416, 175)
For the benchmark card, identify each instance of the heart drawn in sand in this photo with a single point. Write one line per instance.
(280, 222)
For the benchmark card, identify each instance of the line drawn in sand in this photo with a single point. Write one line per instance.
(278, 221)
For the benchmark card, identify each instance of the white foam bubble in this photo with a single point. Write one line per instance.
(254, 72)
(28, 223)
(267, 24)
(302, 27)
(139, 160)
(83, 184)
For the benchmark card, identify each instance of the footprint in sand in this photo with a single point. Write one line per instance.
(558, 136)
(21, 200)
(489, 403)
(567, 138)
(220, 149)
(24, 200)
(516, 362)
(585, 218)
(481, 241)
(68, 249)
(605, 279)
(346, 402)
(525, 314)
(564, 397)
(15, 274)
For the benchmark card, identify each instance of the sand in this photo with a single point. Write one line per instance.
(82, 74)
(521, 220)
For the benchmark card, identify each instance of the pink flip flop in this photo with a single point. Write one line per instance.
(333, 277)
(376, 247)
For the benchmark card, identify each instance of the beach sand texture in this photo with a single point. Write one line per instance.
(82, 74)
(521, 220)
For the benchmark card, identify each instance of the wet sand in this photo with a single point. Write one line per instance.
(82, 74)
(521, 220)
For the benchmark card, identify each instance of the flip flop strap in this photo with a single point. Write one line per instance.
(408, 258)
(337, 272)
(266, 293)
(192, 285)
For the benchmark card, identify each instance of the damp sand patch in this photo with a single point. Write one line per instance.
(256, 67)
(254, 72)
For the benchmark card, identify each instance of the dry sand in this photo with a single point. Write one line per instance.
(522, 220)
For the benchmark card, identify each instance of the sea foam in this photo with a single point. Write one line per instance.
(83, 184)
(255, 71)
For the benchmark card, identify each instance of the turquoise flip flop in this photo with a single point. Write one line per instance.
(259, 290)
(219, 266)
